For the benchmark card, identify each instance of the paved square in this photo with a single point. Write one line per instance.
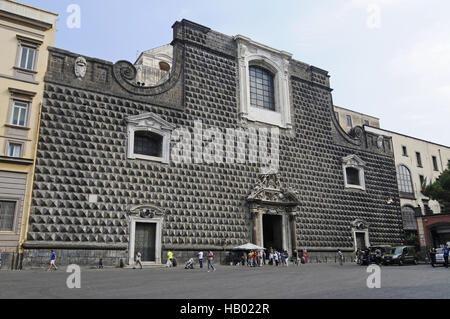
(307, 281)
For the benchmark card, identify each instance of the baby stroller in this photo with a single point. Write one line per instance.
(189, 264)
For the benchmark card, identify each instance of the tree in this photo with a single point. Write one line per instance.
(440, 189)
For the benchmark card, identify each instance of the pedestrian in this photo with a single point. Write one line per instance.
(52, 261)
(446, 252)
(264, 257)
(378, 256)
(275, 256)
(305, 255)
(210, 261)
(367, 256)
(270, 258)
(340, 257)
(358, 256)
(100, 263)
(432, 256)
(200, 259)
(255, 259)
(138, 260)
(286, 258)
(169, 259)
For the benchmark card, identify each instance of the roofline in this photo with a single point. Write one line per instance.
(343, 108)
(32, 7)
(404, 135)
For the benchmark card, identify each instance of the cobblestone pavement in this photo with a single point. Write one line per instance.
(307, 281)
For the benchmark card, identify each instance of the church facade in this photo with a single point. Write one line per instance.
(239, 143)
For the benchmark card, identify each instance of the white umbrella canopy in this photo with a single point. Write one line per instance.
(248, 246)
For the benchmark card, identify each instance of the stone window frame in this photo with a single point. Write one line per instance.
(353, 161)
(419, 160)
(17, 201)
(20, 96)
(251, 53)
(28, 43)
(21, 107)
(12, 141)
(149, 122)
(435, 163)
(349, 121)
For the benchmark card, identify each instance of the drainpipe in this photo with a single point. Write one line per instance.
(440, 158)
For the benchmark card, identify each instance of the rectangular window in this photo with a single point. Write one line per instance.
(336, 115)
(435, 164)
(349, 121)
(19, 113)
(419, 159)
(404, 150)
(366, 122)
(27, 58)
(14, 150)
(7, 212)
(421, 179)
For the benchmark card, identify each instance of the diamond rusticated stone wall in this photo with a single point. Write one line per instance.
(82, 151)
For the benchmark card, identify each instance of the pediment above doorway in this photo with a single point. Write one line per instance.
(270, 191)
(146, 211)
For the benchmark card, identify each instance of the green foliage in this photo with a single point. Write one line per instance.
(440, 189)
(412, 239)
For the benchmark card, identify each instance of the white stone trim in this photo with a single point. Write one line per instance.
(158, 238)
(151, 123)
(353, 161)
(366, 237)
(253, 53)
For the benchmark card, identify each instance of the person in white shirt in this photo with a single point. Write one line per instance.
(138, 260)
(200, 259)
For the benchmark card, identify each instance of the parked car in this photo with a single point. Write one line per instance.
(439, 257)
(401, 255)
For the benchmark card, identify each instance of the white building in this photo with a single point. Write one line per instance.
(418, 161)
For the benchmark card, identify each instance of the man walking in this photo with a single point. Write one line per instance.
(341, 257)
(210, 261)
(200, 259)
(52, 261)
(446, 252)
(138, 259)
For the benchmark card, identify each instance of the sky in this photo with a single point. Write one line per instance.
(386, 58)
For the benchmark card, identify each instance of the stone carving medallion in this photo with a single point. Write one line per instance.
(80, 67)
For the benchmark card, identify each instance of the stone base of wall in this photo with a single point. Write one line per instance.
(9, 261)
(38, 258)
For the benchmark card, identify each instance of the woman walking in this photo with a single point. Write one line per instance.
(210, 261)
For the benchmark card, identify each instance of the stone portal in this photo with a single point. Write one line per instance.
(273, 211)
(146, 222)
